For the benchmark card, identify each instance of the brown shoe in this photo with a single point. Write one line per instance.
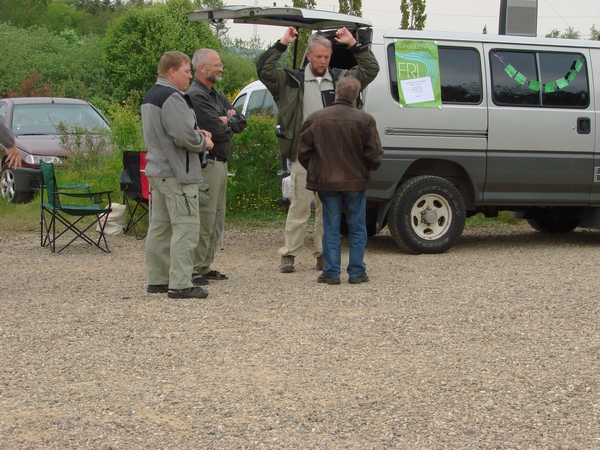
(287, 264)
(320, 263)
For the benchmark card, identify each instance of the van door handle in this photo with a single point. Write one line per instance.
(584, 125)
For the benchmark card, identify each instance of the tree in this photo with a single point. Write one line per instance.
(21, 12)
(352, 7)
(594, 33)
(570, 33)
(135, 42)
(35, 61)
(413, 17)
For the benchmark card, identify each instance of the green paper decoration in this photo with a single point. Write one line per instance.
(520, 78)
(510, 70)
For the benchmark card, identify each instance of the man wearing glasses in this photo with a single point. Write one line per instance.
(215, 114)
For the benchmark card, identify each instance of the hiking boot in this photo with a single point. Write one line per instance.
(192, 292)
(199, 280)
(327, 279)
(357, 280)
(320, 263)
(157, 288)
(287, 264)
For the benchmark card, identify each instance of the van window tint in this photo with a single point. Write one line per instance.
(460, 75)
(255, 103)
(539, 79)
(269, 106)
(239, 103)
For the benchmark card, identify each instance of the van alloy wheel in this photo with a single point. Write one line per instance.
(427, 215)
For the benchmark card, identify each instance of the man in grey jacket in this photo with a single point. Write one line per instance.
(173, 170)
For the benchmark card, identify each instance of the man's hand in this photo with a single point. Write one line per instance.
(290, 35)
(343, 36)
(207, 134)
(209, 143)
(13, 160)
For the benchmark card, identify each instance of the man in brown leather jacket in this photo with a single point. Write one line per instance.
(338, 147)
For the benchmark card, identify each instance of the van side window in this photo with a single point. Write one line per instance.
(269, 107)
(239, 103)
(255, 103)
(460, 75)
(541, 79)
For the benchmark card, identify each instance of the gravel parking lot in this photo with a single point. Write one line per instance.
(495, 344)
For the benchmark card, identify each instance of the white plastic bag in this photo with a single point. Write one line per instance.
(115, 221)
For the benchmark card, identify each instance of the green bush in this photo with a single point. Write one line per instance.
(90, 159)
(69, 65)
(135, 42)
(254, 161)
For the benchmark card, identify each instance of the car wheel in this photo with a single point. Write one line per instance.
(552, 225)
(7, 187)
(427, 215)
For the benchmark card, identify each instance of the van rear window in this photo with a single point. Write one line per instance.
(540, 79)
(460, 75)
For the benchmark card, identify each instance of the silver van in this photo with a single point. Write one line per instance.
(470, 124)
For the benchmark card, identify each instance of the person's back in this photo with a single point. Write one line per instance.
(338, 147)
(342, 135)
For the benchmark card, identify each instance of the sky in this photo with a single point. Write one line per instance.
(444, 15)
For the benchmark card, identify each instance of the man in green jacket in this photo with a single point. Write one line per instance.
(298, 93)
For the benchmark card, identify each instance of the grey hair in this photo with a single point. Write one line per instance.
(201, 57)
(317, 38)
(347, 89)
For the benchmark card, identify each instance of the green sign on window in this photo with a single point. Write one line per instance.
(418, 74)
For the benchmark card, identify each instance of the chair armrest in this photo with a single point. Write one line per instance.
(74, 186)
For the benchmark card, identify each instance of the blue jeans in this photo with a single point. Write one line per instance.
(354, 204)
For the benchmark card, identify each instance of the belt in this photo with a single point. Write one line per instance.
(217, 158)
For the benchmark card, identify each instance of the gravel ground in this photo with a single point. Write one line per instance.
(495, 344)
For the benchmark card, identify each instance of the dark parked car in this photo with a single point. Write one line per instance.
(34, 122)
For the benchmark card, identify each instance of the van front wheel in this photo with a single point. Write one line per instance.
(427, 215)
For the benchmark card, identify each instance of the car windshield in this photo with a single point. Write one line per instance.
(36, 119)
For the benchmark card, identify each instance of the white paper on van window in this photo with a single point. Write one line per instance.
(417, 90)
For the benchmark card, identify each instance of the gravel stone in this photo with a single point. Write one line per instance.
(492, 345)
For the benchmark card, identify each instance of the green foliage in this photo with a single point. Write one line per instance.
(60, 15)
(352, 7)
(90, 159)
(254, 161)
(569, 33)
(71, 66)
(237, 73)
(413, 14)
(126, 125)
(135, 42)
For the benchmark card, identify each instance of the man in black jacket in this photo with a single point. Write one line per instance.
(215, 114)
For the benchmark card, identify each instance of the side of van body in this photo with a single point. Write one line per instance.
(515, 131)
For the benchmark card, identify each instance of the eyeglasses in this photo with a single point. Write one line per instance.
(216, 65)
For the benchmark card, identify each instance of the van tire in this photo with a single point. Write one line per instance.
(435, 196)
(552, 225)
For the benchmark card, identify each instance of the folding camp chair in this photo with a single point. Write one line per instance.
(71, 215)
(134, 185)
